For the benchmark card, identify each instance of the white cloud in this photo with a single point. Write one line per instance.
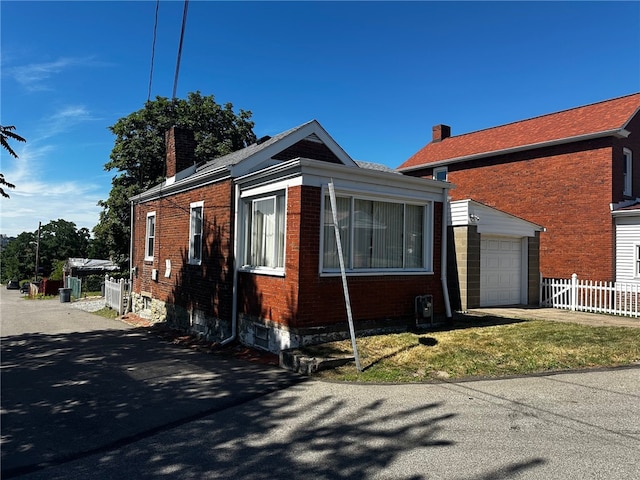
(35, 76)
(35, 201)
(42, 195)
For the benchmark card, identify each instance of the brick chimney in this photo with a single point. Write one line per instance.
(440, 132)
(180, 145)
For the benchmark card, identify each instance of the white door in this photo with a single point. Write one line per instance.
(500, 270)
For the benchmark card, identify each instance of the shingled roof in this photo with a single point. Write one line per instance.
(605, 118)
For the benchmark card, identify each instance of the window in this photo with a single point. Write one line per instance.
(636, 260)
(150, 236)
(440, 174)
(195, 233)
(375, 235)
(626, 172)
(264, 232)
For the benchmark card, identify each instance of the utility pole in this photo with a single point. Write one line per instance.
(37, 252)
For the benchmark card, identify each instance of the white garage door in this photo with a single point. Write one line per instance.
(500, 270)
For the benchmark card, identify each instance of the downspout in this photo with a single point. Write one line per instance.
(443, 252)
(129, 301)
(234, 290)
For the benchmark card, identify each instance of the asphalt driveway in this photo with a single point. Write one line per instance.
(89, 398)
(74, 383)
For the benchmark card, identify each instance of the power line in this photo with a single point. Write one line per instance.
(153, 49)
(184, 23)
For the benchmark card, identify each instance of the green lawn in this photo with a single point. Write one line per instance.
(493, 349)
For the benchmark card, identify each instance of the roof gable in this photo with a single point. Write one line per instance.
(308, 140)
(609, 117)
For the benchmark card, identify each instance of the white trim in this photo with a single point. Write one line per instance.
(192, 206)
(618, 132)
(427, 236)
(148, 257)
(627, 190)
(247, 198)
(438, 170)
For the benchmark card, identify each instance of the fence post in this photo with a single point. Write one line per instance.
(121, 299)
(574, 292)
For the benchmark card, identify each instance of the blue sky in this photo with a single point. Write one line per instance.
(376, 75)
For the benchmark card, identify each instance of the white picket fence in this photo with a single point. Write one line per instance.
(614, 298)
(116, 293)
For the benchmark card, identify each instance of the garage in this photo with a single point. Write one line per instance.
(500, 270)
(496, 257)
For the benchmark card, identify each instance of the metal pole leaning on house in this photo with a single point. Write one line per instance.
(345, 287)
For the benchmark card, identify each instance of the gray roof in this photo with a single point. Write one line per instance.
(236, 157)
(92, 264)
(376, 166)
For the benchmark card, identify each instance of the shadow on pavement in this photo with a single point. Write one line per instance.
(66, 395)
(127, 404)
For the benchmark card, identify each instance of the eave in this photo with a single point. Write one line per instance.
(618, 132)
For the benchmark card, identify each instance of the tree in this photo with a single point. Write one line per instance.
(5, 134)
(59, 240)
(138, 155)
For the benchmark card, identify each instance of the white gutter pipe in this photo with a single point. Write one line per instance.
(234, 290)
(443, 252)
(129, 303)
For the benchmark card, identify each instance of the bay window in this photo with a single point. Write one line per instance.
(376, 235)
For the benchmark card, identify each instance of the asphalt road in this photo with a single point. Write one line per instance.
(85, 397)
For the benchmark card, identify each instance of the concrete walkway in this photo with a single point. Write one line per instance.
(557, 315)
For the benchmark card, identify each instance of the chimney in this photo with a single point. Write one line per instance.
(440, 132)
(180, 146)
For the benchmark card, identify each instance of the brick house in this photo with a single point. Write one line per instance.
(244, 246)
(569, 171)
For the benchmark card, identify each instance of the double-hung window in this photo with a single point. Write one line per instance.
(627, 162)
(150, 236)
(195, 233)
(376, 235)
(264, 231)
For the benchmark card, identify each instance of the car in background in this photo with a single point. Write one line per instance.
(25, 287)
(13, 285)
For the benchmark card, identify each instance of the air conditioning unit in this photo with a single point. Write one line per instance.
(424, 311)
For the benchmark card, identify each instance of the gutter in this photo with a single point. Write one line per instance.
(618, 132)
(234, 290)
(443, 252)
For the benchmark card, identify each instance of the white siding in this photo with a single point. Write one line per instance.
(490, 220)
(627, 236)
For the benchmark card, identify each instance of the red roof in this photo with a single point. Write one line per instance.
(591, 119)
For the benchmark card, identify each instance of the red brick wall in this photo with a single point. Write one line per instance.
(206, 287)
(566, 189)
(305, 299)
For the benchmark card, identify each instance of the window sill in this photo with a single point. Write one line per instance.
(377, 273)
(273, 272)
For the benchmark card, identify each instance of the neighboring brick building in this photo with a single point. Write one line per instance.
(245, 244)
(567, 171)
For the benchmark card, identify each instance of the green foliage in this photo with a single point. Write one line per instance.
(6, 133)
(138, 156)
(59, 240)
(58, 270)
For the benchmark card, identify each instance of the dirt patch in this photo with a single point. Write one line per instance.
(194, 342)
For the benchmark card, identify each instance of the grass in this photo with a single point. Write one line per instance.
(106, 312)
(485, 351)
